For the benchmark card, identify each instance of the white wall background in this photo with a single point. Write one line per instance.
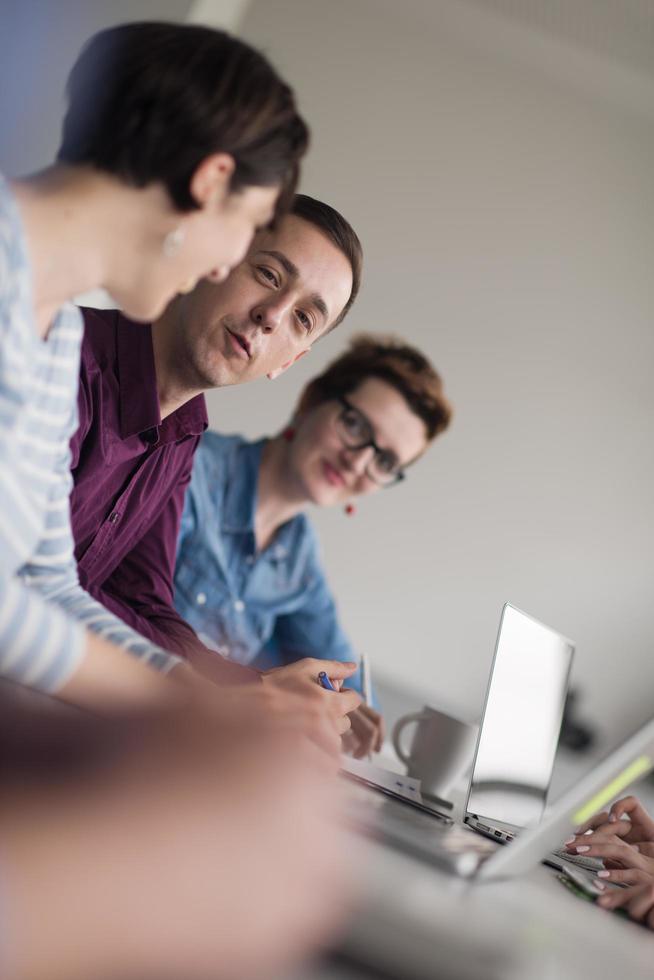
(500, 177)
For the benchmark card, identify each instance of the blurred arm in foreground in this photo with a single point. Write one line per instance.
(163, 846)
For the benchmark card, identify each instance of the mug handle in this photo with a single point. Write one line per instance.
(399, 727)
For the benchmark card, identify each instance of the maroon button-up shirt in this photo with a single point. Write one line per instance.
(130, 471)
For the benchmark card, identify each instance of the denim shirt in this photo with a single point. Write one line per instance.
(272, 607)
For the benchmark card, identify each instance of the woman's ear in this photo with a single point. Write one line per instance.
(211, 179)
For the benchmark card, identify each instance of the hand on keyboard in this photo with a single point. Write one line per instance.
(607, 844)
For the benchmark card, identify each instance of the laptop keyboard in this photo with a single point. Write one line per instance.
(590, 863)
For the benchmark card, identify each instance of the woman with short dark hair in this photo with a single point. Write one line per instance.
(179, 141)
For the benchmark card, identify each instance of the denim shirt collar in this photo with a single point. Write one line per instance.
(240, 501)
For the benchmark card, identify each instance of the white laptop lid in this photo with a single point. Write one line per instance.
(520, 725)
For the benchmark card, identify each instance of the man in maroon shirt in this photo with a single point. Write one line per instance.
(142, 411)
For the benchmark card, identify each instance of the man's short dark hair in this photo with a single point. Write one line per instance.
(340, 232)
(149, 102)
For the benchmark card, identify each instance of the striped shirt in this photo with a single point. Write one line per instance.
(43, 608)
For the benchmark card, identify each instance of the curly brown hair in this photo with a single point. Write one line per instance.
(392, 360)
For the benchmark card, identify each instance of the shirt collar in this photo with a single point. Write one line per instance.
(240, 501)
(139, 401)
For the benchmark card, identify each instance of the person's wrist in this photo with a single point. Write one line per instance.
(186, 685)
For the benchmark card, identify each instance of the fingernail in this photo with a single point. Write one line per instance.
(603, 874)
(604, 900)
(600, 884)
(570, 840)
(582, 849)
(612, 818)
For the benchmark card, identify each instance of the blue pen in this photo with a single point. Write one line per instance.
(325, 682)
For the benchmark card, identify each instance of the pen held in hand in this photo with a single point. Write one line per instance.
(366, 685)
(325, 682)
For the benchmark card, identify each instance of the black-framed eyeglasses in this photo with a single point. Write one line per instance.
(356, 433)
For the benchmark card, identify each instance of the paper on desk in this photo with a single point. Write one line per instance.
(394, 782)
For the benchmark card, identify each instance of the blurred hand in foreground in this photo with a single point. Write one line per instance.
(165, 845)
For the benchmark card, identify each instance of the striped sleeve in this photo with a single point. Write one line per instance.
(52, 570)
(39, 645)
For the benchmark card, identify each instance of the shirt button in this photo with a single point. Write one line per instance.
(200, 598)
(113, 518)
(239, 605)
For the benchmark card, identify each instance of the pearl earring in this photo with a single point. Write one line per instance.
(220, 273)
(173, 242)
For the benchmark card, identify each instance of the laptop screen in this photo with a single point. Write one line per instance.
(521, 721)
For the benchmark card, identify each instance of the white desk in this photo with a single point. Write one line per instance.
(415, 923)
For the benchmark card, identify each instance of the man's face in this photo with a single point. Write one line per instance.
(289, 289)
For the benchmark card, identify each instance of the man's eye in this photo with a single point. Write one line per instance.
(268, 275)
(304, 319)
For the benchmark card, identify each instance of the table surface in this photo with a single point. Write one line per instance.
(415, 921)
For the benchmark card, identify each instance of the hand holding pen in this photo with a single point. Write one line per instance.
(301, 676)
(367, 725)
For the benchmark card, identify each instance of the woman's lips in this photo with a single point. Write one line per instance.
(239, 344)
(332, 475)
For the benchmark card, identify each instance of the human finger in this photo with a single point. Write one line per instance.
(343, 724)
(345, 701)
(380, 725)
(617, 828)
(349, 743)
(625, 876)
(599, 836)
(365, 732)
(619, 898)
(642, 902)
(335, 669)
(595, 821)
(633, 809)
(624, 854)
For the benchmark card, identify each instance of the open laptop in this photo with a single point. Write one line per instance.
(514, 756)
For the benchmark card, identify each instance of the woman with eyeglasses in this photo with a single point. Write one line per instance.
(249, 576)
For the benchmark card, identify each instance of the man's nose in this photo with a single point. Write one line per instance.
(268, 316)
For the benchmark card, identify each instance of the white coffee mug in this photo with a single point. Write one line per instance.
(441, 749)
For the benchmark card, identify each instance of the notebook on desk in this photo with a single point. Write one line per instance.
(514, 756)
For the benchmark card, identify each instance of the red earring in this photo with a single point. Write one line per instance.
(289, 433)
(350, 510)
